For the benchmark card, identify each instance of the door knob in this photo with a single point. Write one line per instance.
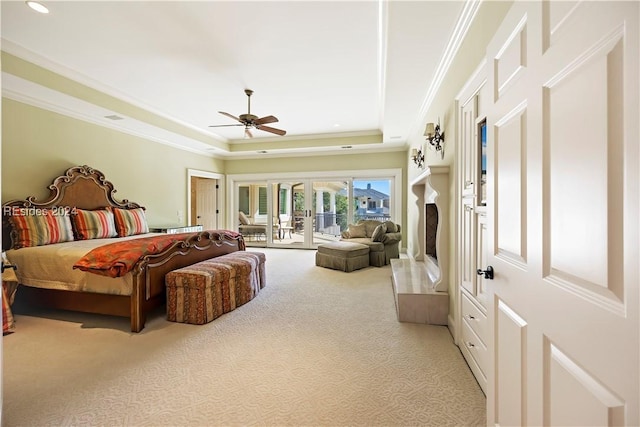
(488, 273)
(5, 266)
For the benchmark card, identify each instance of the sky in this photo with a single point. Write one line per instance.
(382, 186)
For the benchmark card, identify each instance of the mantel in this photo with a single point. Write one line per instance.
(432, 187)
(433, 181)
(422, 179)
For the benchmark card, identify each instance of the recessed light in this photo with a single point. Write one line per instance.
(337, 125)
(38, 7)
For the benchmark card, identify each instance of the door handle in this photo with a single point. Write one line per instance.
(5, 266)
(488, 273)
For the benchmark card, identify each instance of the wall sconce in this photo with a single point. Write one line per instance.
(417, 157)
(434, 137)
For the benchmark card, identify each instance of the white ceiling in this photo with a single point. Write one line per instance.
(323, 68)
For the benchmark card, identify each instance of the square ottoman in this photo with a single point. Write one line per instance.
(344, 256)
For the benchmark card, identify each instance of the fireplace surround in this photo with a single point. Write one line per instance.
(432, 191)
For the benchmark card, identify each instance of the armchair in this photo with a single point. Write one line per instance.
(383, 239)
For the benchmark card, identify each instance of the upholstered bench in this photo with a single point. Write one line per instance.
(201, 292)
(345, 256)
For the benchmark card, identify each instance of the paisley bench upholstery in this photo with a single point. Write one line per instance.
(202, 292)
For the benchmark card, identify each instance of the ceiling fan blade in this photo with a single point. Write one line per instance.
(272, 130)
(229, 115)
(248, 133)
(264, 120)
(220, 126)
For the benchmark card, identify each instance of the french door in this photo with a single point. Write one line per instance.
(307, 212)
(298, 211)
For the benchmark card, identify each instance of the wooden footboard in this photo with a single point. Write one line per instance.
(82, 187)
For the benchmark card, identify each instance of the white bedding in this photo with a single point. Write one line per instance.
(50, 267)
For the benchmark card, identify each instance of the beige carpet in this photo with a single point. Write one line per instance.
(316, 347)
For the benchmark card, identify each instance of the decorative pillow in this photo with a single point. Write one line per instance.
(369, 226)
(243, 218)
(38, 227)
(130, 222)
(379, 233)
(391, 227)
(356, 231)
(98, 224)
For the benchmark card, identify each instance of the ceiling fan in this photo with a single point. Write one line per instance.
(250, 121)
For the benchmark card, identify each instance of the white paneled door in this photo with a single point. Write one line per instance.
(205, 202)
(562, 215)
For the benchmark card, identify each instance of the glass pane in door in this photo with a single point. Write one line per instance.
(372, 199)
(289, 209)
(330, 210)
(252, 213)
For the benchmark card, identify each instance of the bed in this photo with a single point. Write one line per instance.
(46, 270)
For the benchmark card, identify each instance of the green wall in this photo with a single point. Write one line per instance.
(360, 161)
(38, 145)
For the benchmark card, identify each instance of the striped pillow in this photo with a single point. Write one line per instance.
(130, 221)
(40, 227)
(98, 224)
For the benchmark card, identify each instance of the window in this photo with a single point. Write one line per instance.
(262, 200)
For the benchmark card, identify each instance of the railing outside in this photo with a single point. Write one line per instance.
(332, 223)
(375, 216)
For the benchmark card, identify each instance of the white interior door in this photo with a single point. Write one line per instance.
(206, 203)
(562, 212)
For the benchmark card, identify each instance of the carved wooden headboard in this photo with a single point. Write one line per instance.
(80, 187)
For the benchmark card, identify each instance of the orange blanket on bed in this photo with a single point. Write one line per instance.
(117, 259)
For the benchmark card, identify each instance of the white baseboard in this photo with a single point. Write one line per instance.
(451, 324)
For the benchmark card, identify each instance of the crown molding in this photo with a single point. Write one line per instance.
(465, 19)
(58, 108)
(46, 63)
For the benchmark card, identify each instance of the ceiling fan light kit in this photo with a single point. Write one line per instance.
(250, 121)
